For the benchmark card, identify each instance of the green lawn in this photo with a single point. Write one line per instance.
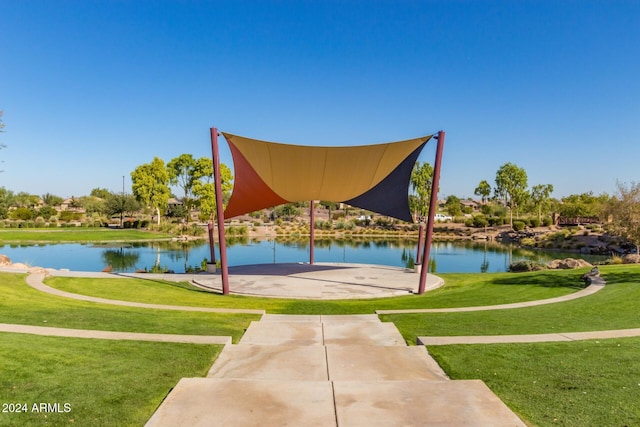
(102, 382)
(22, 304)
(461, 290)
(584, 383)
(572, 384)
(66, 235)
(614, 307)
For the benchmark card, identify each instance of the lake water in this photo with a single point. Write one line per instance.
(446, 257)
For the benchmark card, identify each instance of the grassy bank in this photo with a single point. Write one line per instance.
(77, 235)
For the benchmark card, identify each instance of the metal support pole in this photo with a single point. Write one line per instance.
(224, 269)
(312, 231)
(433, 205)
(420, 242)
(212, 251)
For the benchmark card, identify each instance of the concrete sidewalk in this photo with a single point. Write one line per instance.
(346, 371)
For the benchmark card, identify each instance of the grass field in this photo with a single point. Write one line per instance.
(461, 290)
(587, 383)
(68, 235)
(102, 383)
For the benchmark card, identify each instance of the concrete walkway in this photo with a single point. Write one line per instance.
(346, 371)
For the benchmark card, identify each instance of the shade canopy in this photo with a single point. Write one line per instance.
(372, 177)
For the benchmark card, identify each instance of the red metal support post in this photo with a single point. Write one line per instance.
(433, 205)
(224, 269)
(212, 251)
(420, 242)
(312, 234)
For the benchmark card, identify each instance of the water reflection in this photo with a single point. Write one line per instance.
(180, 256)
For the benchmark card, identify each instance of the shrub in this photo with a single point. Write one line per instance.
(547, 221)
(522, 266)
(480, 221)
(518, 225)
(535, 222)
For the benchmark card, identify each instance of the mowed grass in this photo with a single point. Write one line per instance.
(67, 235)
(614, 307)
(22, 304)
(103, 383)
(461, 290)
(572, 384)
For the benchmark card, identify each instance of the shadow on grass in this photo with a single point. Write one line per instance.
(545, 279)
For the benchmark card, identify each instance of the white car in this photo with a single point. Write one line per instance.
(442, 218)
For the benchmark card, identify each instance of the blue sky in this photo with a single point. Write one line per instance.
(92, 89)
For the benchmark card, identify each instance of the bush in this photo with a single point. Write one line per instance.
(535, 222)
(480, 221)
(518, 225)
(522, 266)
(547, 221)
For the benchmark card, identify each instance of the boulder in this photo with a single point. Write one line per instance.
(568, 264)
(631, 259)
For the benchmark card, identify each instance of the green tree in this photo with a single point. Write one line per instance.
(120, 204)
(541, 198)
(483, 190)
(93, 204)
(626, 213)
(511, 185)
(52, 200)
(583, 205)
(453, 206)
(150, 185)
(182, 172)
(421, 179)
(6, 201)
(101, 193)
(204, 188)
(25, 200)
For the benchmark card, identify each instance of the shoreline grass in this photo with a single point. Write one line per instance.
(78, 235)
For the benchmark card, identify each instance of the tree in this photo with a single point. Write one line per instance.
(421, 179)
(583, 205)
(483, 190)
(204, 186)
(101, 193)
(453, 206)
(150, 185)
(182, 172)
(626, 213)
(120, 204)
(541, 196)
(52, 200)
(511, 185)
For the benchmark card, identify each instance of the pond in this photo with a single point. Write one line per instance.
(446, 257)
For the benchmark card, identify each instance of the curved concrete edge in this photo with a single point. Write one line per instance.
(591, 289)
(35, 280)
(511, 339)
(112, 335)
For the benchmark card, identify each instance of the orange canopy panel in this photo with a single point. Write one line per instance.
(371, 177)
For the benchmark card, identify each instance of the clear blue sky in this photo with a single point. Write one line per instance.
(92, 89)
